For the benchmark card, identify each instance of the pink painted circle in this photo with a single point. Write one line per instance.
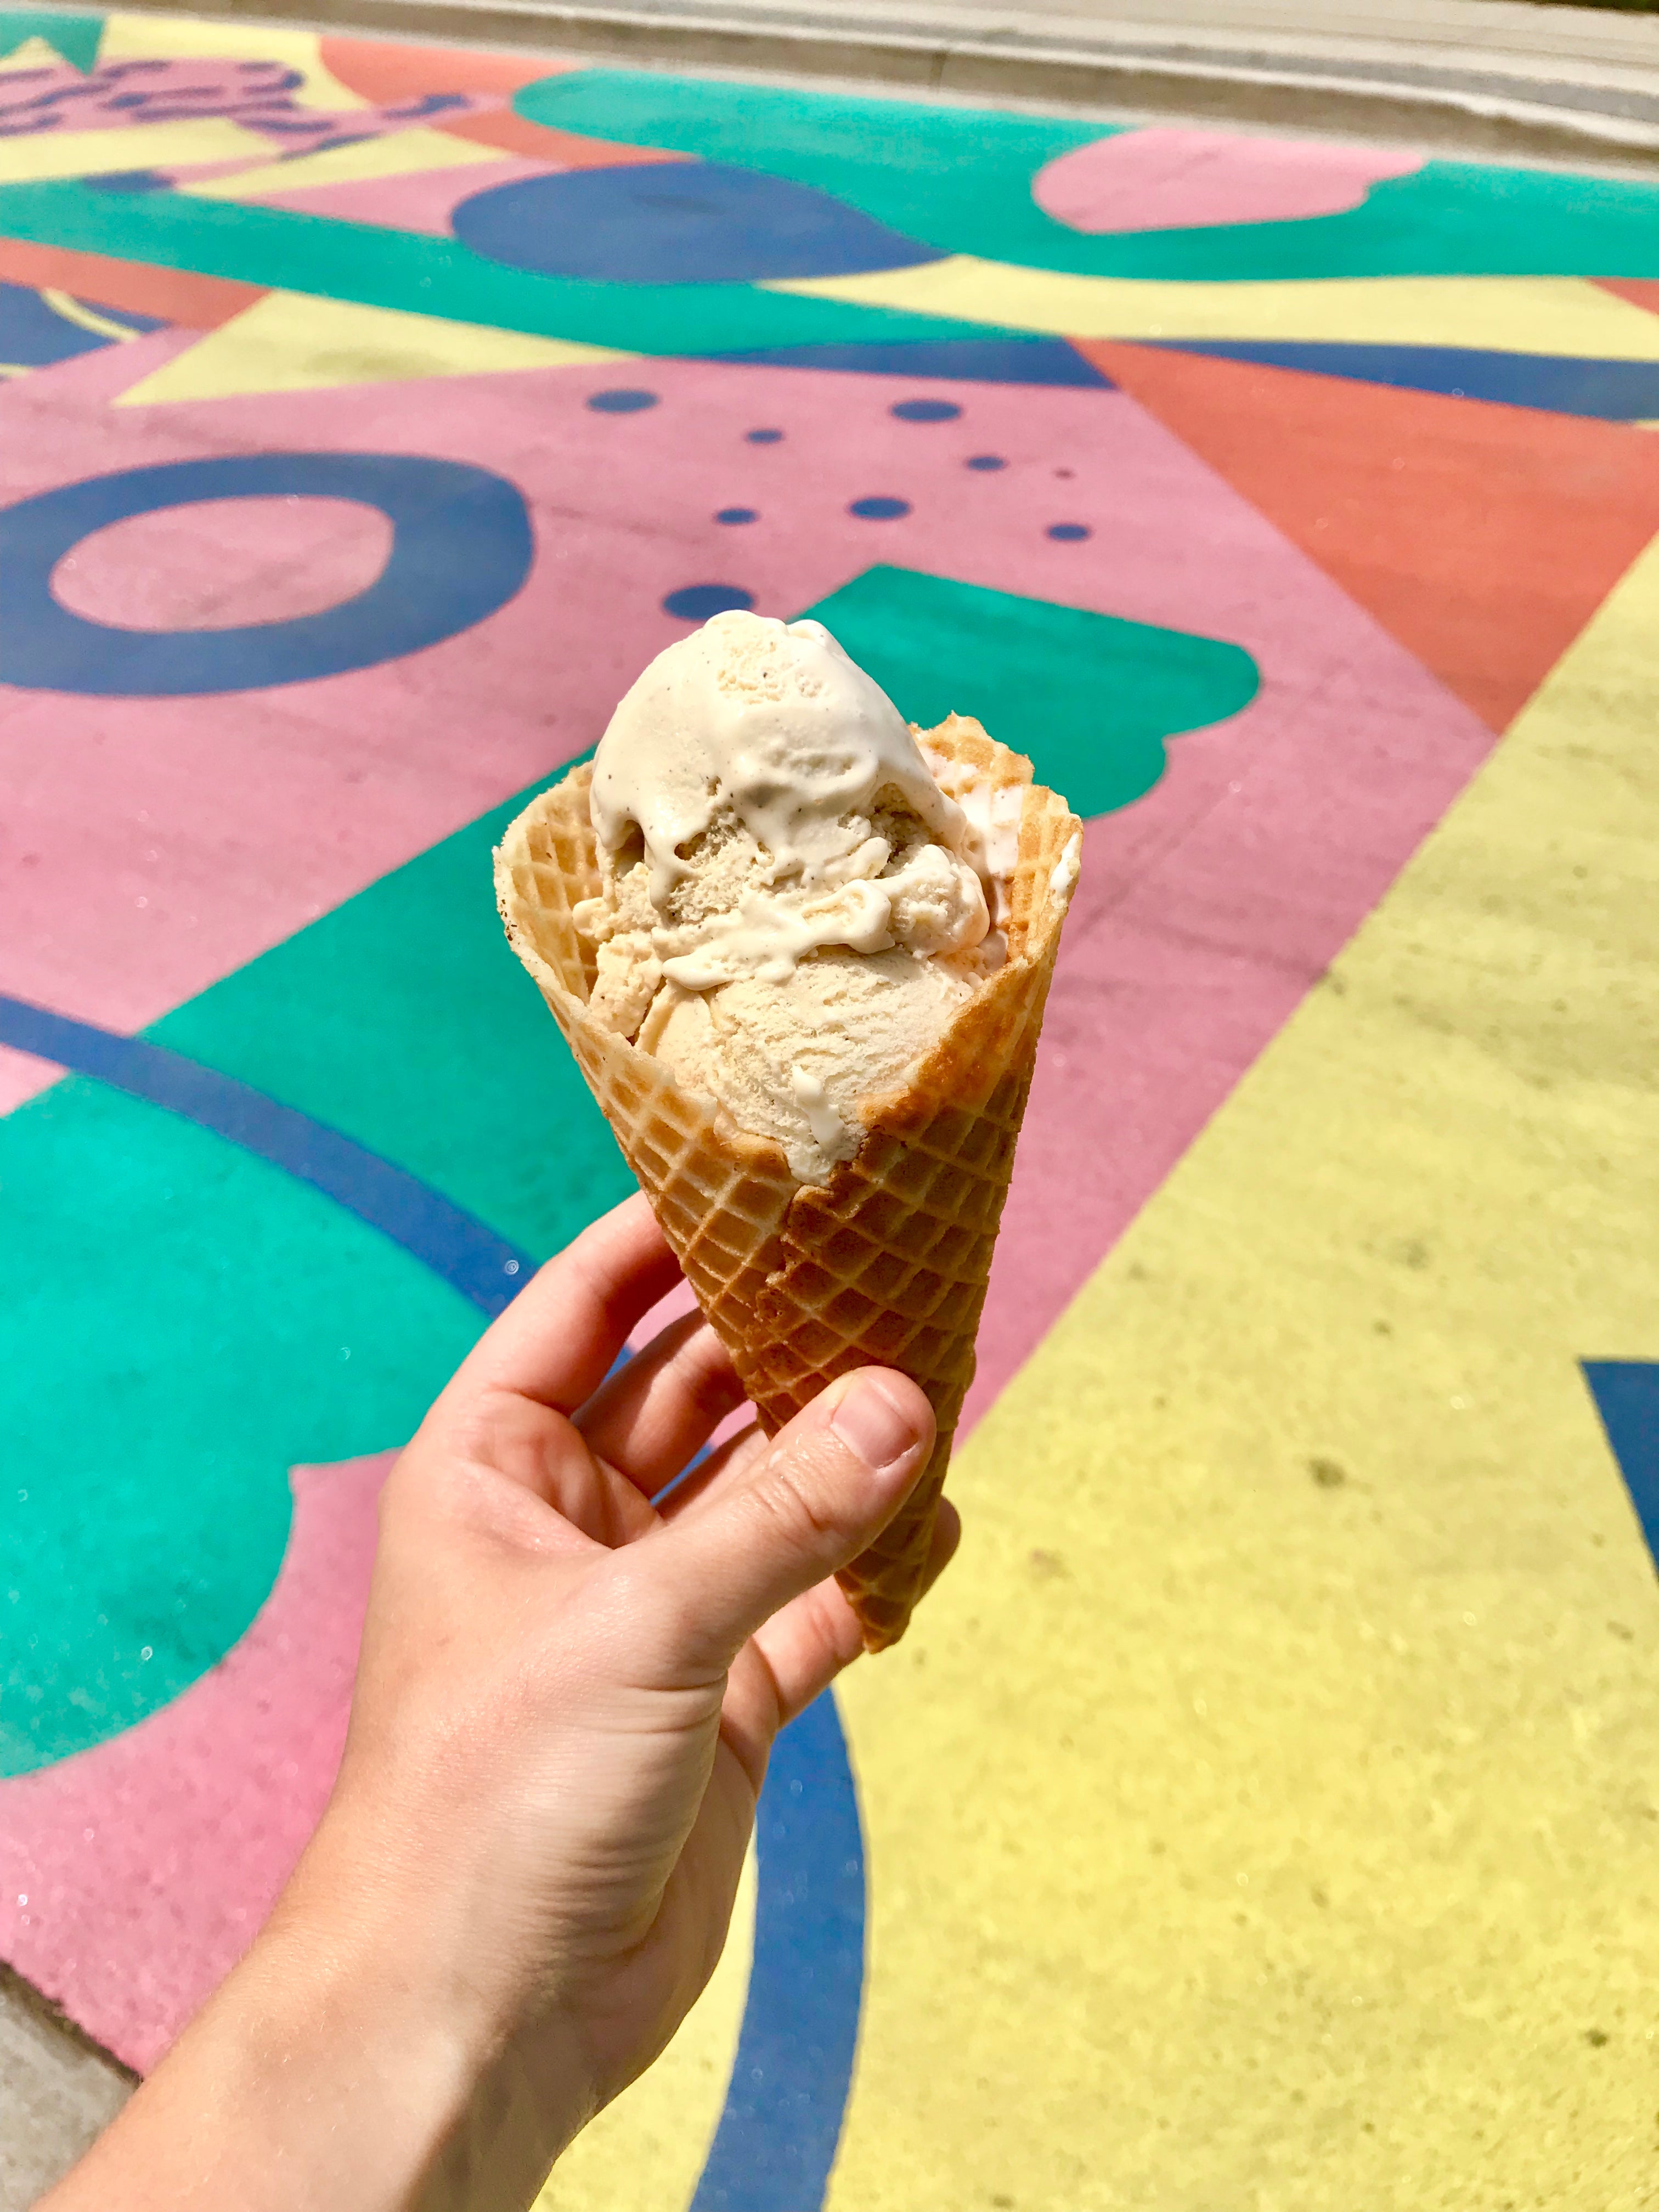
(222, 563)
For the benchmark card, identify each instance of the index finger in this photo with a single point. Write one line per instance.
(560, 1337)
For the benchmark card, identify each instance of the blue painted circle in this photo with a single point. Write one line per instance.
(879, 510)
(763, 437)
(461, 547)
(738, 515)
(622, 401)
(1069, 532)
(985, 461)
(925, 411)
(678, 222)
(696, 602)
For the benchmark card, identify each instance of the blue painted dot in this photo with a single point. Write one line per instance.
(622, 403)
(738, 515)
(1069, 532)
(696, 602)
(987, 461)
(879, 510)
(925, 411)
(762, 437)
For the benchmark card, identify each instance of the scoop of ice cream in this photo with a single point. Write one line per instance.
(792, 901)
(794, 1060)
(764, 799)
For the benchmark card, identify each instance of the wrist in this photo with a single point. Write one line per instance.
(470, 2095)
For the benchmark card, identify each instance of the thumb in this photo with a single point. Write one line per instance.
(826, 1487)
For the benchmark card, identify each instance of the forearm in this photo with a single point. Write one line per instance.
(335, 2071)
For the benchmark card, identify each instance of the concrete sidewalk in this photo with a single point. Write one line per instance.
(1499, 77)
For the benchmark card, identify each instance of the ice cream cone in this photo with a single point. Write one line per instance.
(886, 1261)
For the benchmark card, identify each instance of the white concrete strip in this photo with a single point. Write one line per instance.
(56, 2093)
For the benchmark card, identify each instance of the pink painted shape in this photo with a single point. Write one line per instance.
(224, 563)
(21, 1075)
(1277, 831)
(1166, 178)
(133, 1876)
(424, 201)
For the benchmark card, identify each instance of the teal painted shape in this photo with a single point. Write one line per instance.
(960, 178)
(175, 1310)
(172, 1339)
(957, 179)
(380, 268)
(74, 36)
(1448, 219)
(200, 1346)
(403, 1018)
(1091, 698)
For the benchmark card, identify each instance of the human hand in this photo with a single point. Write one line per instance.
(564, 1705)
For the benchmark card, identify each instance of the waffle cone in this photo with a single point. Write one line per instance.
(887, 1261)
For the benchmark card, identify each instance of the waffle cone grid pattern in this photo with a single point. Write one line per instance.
(888, 1261)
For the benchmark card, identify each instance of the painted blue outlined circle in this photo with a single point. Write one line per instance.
(461, 547)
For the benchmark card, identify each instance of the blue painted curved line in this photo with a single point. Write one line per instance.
(1626, 1395)
(977, 360)
(777, 2136)
(470, 1256)
(1551, 384)
(776, 2139)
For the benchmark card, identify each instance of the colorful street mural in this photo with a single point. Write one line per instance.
(1263, 1812)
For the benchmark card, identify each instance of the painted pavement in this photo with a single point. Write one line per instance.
(1264, 1811)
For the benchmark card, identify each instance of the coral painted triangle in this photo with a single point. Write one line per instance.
(384, 74)
(1483, 553)
(1556, 383)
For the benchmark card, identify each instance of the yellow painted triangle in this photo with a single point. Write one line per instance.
(34, 53)
(292, 342)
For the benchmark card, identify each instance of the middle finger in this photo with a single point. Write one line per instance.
(649, 1418)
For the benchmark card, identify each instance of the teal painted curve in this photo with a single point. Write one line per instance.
(377, 267)
(1093, 699)
(960, 179)
(183, 1322)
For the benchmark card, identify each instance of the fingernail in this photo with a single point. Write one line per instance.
(874, 1424)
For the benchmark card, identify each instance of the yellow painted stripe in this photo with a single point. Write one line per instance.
(139, 146)
(1501, 314)
(88, 318)
(1265, 1810)
(292, 342)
